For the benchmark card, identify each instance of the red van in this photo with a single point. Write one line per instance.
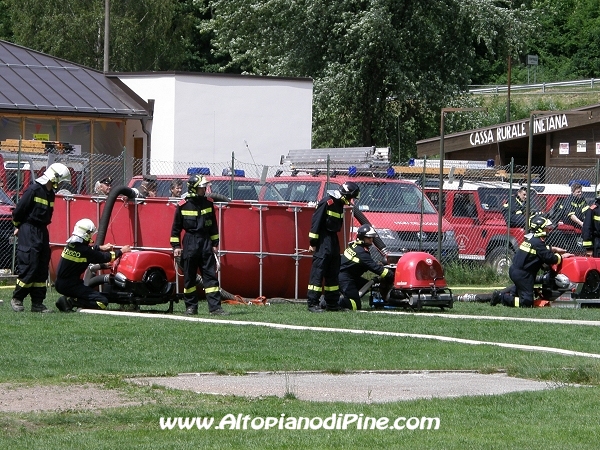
(404, 217)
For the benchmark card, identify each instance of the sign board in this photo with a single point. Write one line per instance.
(41, 137)
(532, 60)
(563, 148)
(581, 146)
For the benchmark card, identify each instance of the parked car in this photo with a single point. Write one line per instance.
(475, 210)
(237, 187)
(403, 216)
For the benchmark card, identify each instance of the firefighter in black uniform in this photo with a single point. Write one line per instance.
(577, 206)
(31, 217)
(327, 220)
(528, 260)
(196, 215)
(74, 260)
(590, 232)
(356, 260)
(516, 205)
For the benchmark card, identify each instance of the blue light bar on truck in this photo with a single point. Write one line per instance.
(236, 172)
(198, 171)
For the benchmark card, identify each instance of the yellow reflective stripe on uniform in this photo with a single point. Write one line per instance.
(113, 256)
(23, 285)
(52, 204)
(516, 302)
(206, 211)
(384, 273)
(214, 237)
(41, 284)
(67, 255)
(596, 217)
(211, 289)
(351, 255)
(585, 208)
(312, 287)
(189, 290)
(559, 258)
(41, 200)
(332, 288)
(353, 303)
(587, 243)
(187, 212)
(174, 239)
(334, 214)
(519, 212)
(526, 247)
(313, 235)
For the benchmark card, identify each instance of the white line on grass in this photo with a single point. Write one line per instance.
(533, 348)
(594, 323)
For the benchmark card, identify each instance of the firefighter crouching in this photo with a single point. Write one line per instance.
(528, 260)
(196, 215)
(327, 220)
(74, 260)
(356, 260)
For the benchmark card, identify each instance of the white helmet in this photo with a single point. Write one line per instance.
(56, 173)
(84, 229)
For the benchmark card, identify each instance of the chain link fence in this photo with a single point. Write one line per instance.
(473, 216)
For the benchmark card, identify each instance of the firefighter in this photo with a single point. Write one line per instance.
(196, 215)
(516, 205)
(327, 220)
(528, 260)
(31, 217)
(576, 206)
(74, 260)
(356, 260)
(590, 231)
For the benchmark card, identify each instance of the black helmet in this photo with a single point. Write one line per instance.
(194, 182)
(366, 231)
(350, 190)
(538, 223)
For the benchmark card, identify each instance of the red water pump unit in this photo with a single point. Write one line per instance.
(418, 281)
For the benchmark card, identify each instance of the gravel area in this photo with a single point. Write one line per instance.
(362, 387)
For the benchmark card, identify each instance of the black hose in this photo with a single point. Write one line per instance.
(362, 219)
(218, 198)
(110, 202)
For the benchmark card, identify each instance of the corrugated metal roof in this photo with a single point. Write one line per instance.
(36, 82)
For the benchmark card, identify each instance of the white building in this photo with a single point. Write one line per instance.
(204, 117)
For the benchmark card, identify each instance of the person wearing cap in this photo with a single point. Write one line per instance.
(149, 186)
(516, 206)
(31, 218)
(77, 255)
(590, 231)
(195, 214)
(103, 186)
(531, 255)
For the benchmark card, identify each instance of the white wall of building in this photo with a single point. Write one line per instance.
(206, 117)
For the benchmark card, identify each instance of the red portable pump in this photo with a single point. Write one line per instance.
(418, 281)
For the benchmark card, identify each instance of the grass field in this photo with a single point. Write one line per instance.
(73, 349)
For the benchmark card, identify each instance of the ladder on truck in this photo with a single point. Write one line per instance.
(358, 159)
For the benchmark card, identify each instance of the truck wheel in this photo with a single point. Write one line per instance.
(500, 260)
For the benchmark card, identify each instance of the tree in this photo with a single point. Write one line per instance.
(377, 66)
(144, 34)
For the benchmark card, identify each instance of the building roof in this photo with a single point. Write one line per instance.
(33, 82)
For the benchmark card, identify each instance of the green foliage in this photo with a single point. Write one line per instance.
(465, 273)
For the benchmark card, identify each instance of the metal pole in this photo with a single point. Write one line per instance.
(441, 186)
(232, 174)
(422, 203)
(399, 151)
(529, 157)
(106, 32)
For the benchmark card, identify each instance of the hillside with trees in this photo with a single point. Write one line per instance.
(382, 69)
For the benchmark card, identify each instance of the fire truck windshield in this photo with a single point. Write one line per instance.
(393, 197)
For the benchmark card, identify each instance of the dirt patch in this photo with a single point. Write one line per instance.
(59, 398)
(363, 387)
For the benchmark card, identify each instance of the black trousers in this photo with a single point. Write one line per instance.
(82, 296)
(349, 288)
(324, 271)
(524, 282)
(198, 254)
(33, 259)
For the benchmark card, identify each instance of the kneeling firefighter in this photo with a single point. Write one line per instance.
(528, 260)
(74, 260)
(356, 260)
